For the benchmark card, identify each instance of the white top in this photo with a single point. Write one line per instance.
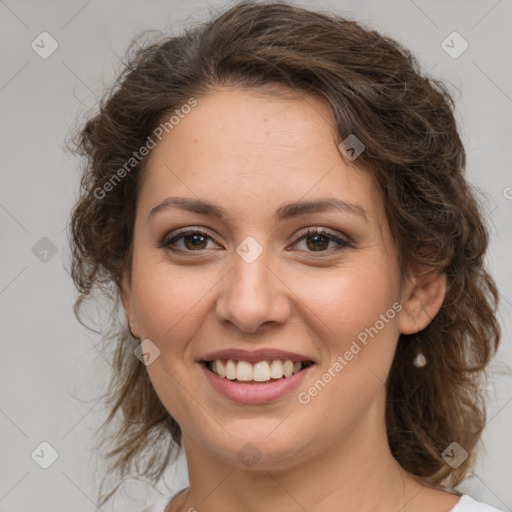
(465, 504)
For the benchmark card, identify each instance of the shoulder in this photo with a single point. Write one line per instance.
(468, 504)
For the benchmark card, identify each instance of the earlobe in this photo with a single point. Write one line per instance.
(126, 299)
(424, 299)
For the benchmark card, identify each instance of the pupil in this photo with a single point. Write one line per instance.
(196, 238)
(319, 246)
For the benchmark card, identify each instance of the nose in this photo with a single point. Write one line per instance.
(252, 296)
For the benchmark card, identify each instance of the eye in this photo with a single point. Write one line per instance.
(319, 240)
(196, 240)
(193, 240)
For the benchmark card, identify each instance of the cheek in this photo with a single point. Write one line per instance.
(349, 300)
(358, 333)
(356, 325)
(169, 300)
(170, 306)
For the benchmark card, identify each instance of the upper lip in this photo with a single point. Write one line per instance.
(254, 356)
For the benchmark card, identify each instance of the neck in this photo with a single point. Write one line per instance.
(358, 472)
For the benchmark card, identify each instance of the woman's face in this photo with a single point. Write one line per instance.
(254, 281)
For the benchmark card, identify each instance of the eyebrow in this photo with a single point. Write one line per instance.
(285, 212)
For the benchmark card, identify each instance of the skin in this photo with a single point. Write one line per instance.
(250, 153)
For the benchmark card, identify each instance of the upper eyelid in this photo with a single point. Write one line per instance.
(181, 232)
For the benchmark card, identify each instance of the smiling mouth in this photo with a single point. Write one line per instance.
(262, 372)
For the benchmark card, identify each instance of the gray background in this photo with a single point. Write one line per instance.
(52, 370)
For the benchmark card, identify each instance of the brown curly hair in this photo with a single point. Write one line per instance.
(405, 119)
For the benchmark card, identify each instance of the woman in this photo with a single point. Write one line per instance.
(277, 198)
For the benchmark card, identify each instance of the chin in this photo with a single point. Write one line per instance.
(264, 448)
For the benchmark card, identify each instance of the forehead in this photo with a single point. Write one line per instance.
(255, 149)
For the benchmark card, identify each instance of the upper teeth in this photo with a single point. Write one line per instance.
(259, 372)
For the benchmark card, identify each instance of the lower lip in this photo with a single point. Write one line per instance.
(254, 393)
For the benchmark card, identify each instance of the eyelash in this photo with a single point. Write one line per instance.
(181, 233)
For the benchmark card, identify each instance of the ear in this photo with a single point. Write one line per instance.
(422, 300)
(126, 298)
